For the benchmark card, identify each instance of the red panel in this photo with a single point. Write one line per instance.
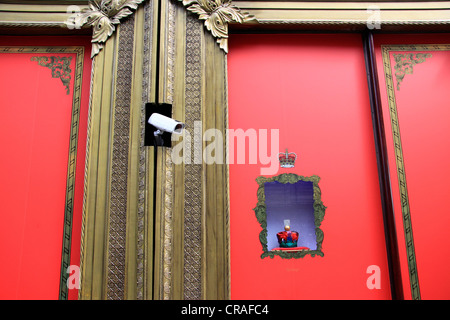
(423, 113)
(35, 119)
(313, 88)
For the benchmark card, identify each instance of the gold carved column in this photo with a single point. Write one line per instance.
(147, 236)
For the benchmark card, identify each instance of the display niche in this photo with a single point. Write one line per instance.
(290, 211)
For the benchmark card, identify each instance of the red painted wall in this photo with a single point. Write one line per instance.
(35, 118)
(313, 88)
(423, 113)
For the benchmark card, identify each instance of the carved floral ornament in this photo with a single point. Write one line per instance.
(103, 15)
(60, 67)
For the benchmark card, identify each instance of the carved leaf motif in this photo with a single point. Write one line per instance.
(217, 14)
(102, 29)
(188, 2)
(60, 67)
(103, 15)
(404, 63)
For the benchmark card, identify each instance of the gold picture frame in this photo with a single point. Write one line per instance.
(41, 56)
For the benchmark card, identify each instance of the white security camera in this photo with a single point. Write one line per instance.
(165, 124)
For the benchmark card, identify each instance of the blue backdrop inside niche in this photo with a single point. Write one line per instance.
(293, 201)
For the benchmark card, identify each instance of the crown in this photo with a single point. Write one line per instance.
(287, 160)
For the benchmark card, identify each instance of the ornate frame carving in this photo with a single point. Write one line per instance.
(404, 63)
(410, 51)
(103, 16)
(261, 215)
(60, 67)
(42, 54)
(160, 71)
(217, 14)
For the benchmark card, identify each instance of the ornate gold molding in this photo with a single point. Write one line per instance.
(217, 14)
(339, 14)
(403, 65)
(261, 214)
(60, 67)
(103, 15)
(327, 15)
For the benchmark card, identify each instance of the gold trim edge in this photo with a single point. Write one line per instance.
(103, 15)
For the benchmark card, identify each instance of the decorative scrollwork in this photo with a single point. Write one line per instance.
(217, 14)
(404, 63)
(103, 15)
(60, 67)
